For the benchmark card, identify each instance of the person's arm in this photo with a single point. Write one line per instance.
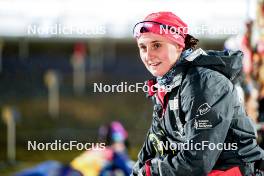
(207, 103)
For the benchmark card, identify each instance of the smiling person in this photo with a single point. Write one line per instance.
(199, 125)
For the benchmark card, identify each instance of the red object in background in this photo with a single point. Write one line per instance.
(247, 59)
(262, 8)
(260, 47)
(79, 50)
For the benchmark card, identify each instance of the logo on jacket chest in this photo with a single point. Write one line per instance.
(202, 124)
(203, 109)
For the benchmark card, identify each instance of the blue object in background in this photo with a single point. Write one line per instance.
(120, 162)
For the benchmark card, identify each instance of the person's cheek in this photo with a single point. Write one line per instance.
(143, 59)
(165, 63)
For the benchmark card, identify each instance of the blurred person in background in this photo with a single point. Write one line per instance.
(113, 160)
(195, 100)
(248, 87)
(259, 57)
(251, 88)
(260, 78)
(120, 162)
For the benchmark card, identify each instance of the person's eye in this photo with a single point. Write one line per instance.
(142, 47)
(156, 45)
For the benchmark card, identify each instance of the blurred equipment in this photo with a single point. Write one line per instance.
(96, 58)
(52, 81)
(1, 52)
(49, 168)
(10, 116)
(78, 64)
(91, 162)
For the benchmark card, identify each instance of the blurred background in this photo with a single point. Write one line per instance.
(52, 51)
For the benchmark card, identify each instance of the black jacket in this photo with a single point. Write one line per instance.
(201, 106)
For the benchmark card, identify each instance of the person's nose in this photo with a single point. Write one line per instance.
(149, 55)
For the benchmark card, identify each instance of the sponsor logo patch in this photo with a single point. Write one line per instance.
(202, 124)
(203, 109)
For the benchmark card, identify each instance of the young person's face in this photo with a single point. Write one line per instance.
(158, 53)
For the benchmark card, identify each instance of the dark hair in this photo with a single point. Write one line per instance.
(190, 42)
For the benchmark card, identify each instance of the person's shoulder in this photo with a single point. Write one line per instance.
(204, 78)
(203, 73)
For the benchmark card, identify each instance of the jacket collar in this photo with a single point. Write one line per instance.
(154, 86)
(173, 78)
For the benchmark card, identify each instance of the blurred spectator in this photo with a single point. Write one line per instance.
(111, 161)
(261, 91)
(253, 74)
(247, 50)
(251, 97)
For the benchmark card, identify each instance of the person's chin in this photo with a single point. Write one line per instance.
(156, 73)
